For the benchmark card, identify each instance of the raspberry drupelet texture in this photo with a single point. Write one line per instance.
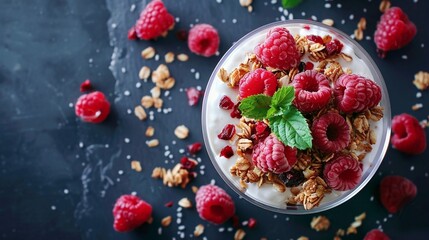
(342, 173)
(271, 155)
(354, 93)
(394, 30)
(92, 107)
(203, 39)
(396, 192)
(278, 50)
(154, 21)
(408, 136)
(259, 81)
(330, 132)
(312, 91)
(376, 234)
(214, 204)
(130, 212)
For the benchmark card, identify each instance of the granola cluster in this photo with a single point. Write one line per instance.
(311, 191)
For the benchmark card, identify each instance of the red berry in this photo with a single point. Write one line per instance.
(342, 173)
(86, 86)
(182, 35)
(226, 103)
(203, 39)
(92, 107)
(312, 91)
(309, 66)
(236, 113)
(376, 234)
(214, 204)
(193, 96)
(132, 34)
(334, 47)
(187, 163)
(252, 223)
(262, 130)
(169, 204)
(259, 81)
(271, 155)
(292, 178)
(130, 212)
(408, 136)
(354, 93)
(194, 148)
(226, 152)
(154, 21)
(278, 50)
(315, 39)
(330, 132)
(227, 132)
(396, 192)
(394, 30)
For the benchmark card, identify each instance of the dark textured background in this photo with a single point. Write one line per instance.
(60, 177)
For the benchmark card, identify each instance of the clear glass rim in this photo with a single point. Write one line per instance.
(386, 121)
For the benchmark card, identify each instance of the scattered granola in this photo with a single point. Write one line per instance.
(328, 22)
(140, 113)
(152, 143)
(181, 132)
(320, 223)
(135, 165)
(144, 72)
(384, 5)
(182, 57)
(169, 57)
(166, 221)
(421, 80)
(361, 26)
(239, 234)
(352, 229)
(199, 230)
(417, 106)
(150, 131)
(185, 203)
(178, 176)
(148, 53)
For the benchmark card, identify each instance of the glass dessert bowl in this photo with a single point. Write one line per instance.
(308, 174)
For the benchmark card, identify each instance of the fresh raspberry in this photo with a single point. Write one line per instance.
(251, 223)
(214, 204)
(354, 93)
(203, 39)
(396, 191)
(342, 173)
(408, 136)
(92, 107)
(330, 132)
(193, 95)
(334, 47)
(271, 155)
(154, 21)
(86, 86)
(278, 50)
(259, 81)
(376, 234)
(312, 91)
(394, 30)
(130, 212)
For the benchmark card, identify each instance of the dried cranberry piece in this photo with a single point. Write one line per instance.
(194, 148)
(226, 152)
(226, 103)
(236, 221)
(309, 66)
(334, 47)
(193, 96)
(182, 35)
(262, 130)
(315, 38)
(86, 86)
(292, 178)
(236, 113)
(227, 132)
(132, 34)
(252, 223)
(169, 204)
(187, 164)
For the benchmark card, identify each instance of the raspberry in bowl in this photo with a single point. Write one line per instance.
(308, 117)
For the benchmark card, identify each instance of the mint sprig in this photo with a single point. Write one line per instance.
(287, 123)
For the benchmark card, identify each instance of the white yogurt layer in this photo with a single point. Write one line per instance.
(217, 118)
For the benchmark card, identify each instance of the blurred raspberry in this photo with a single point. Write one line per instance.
(154, 21)
(130, 212)
(376, 234)
(214, 204)
(203, 39)
(396, 191)
(408, 136)
(92, 107)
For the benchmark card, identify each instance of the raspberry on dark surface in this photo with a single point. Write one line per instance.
(354, 93)
(407, 134)
(330, 132)
(394, 31)
(86, 86)
(342, 173)
(278, 50)
(130, 212)
(214, 204)
(271, 155)
(312, 91)
(194, 148)
(376, 234)
(251, 223)
(259, 81)
(92, 107)
(132, 34)
(396, 192)
(154, 21)
(193, 96)
(203, 39)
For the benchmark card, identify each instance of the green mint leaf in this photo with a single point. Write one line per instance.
(290, 3)
(255, 106)
(283, 97)
(292, 129)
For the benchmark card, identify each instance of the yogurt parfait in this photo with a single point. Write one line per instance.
(296, 117)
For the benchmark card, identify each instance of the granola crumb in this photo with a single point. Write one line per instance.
(182, 57)
(417, 106)
(421, 80)
(320, 223)
(148, 53)
(150, 131)
(135, 165)
(239, 234)
(152, 143)
(181, 132)
(185, 203)
(199, 229)
(169, 57)
(165, 222)
(303, 238)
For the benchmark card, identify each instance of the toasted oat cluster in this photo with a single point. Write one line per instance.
(306, 180)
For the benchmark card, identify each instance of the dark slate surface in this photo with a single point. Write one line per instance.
(60, 177)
